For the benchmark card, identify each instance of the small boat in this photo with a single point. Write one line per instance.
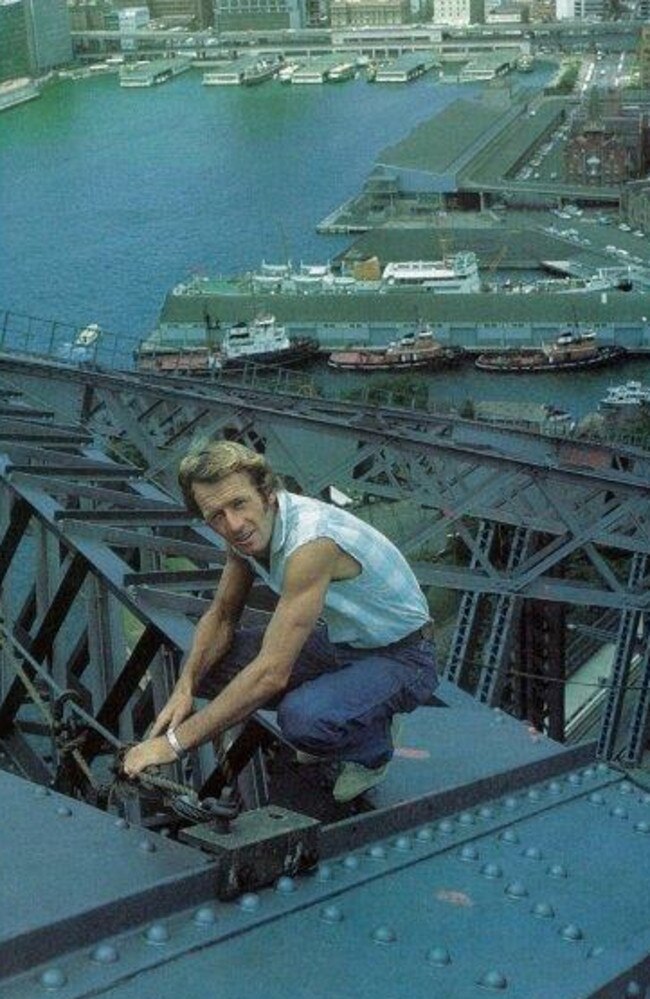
(286, 72)
(262, 341)
(410, 353)
(570, 351)
(630, 395)
(83, 347)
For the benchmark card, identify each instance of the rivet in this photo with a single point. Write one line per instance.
(645, 799)
(626, 787)
(249, 902)
(543, 910)
(377, 852)
(468, 852)
(104, 954)
(509, 836)
(511, 802)
(557, 871)
(596, 798)
(588, 773)
(571, 932)
(532, 853)
(403, 844)
(121, 824)
(602, 768)
(42, 792)
(324, 873)
(384, 935)
(595, 951)
(486, 812)
(285, 885)
(618, 812)
(424, 835)
(446, 826)
(574, 779)
(555, 787)
(64, 811)
(53, 978)
(351, 863)
(439, 956)
(157, 934)
(331, 914)
(642, 827)
(534, 794)
(146, 846)
(466, 819)
(493, 980)
(205, 916)
(516, 890)
(491, 871)
(633, 990)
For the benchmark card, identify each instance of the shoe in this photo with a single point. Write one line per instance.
(355, 779)
(304, 759)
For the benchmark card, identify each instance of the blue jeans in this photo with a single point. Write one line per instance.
(340, 700)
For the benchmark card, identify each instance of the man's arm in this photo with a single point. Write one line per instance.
(212, 639)
(308, 574)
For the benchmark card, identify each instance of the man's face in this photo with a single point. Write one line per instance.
(238, 512)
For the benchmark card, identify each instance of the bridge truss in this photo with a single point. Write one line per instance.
(104, 574)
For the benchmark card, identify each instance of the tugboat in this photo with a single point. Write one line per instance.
(261, 341)
(410, 353)
(569, 352)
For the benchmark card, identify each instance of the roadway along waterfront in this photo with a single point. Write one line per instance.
(110, 197)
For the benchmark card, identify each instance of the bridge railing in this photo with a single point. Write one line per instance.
(62, 341)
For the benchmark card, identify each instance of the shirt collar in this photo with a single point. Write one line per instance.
(280, 526)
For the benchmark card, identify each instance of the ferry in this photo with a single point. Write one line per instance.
(342, 71)
(629, 395)
(570, 351)
(409, 353)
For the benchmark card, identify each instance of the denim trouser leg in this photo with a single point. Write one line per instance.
(340, 700)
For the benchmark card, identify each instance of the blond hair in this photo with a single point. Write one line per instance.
(210, 461)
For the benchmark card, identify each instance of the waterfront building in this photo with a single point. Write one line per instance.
(14, 53)
(458, 12)
(344, 13)
(504, 14)
(196, 14)
(608, 144)
(635, 204)
(252, 15)
(92, 15)
(582, 10)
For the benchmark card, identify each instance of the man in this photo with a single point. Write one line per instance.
(347, 647)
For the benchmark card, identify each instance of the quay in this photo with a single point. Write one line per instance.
(245, 70)
(405, 68)
(14, 92)
(330, 68)
(149, 74)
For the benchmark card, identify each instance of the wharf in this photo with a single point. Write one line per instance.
(241, 71)
(149, 74)
(14, 92)
(329, 68)
(405, 68)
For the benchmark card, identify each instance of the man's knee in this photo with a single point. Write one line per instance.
(300, 719)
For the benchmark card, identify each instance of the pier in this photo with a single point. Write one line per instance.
(149, 74)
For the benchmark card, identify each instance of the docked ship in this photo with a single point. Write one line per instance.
(342, 71)
(259, 342)
(409, 353)
(631, 395)
(570, 351)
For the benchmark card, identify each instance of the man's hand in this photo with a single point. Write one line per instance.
(152, 752)
(179, 706)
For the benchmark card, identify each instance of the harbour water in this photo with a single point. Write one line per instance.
(109, 196)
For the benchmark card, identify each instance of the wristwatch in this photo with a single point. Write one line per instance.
(179, 751)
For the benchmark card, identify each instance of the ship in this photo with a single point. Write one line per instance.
(631, 395)
(259, 342)
(410, 353)
(570, 351)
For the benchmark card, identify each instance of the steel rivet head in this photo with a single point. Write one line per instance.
(468, 853)
(249, 902)
(618, 812)
(510, 802)
(557, 871)
(595, 951)
(121, 824)
(466, 819)
(157, 934)
(424, 835)
(642, 827)
(633, 990)
(596, 798)
(351, 863)
(324, 873)
(645, 799)
(491, 871)
(493, 980)
(403, 844)
(509, 836)
(42, 792)
(331, 914)
(104, 954)
(532, 853)
(146, 846)
(602, 768)
(446, 826)
(534, 794)
(574, 779)
(486, 812)
(377, 852)
(384, 935)
(285, 885)
(543, 910)
(516, 890)
(438, 956)
(571, 932)
(53, 978)
(589, 772)
(626, 787)
(64, 811)
(555, 787)
(205, 916)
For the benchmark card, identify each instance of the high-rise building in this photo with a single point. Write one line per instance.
(345, 13)
(265, 15)
(583, 10)
(91, 15)
(458, 12)
(14, 53)
(644, 56)
(196, 14)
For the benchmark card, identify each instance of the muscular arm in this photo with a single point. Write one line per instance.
(307, 576)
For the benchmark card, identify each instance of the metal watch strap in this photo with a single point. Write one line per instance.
(172, 739)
